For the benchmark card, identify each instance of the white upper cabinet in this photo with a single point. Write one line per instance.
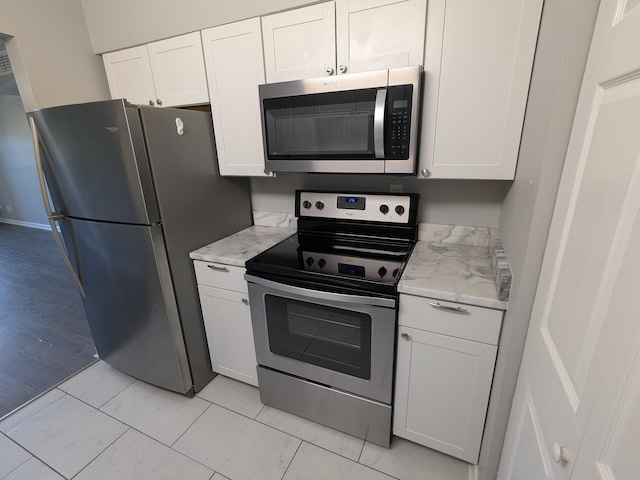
(379, 34)
(478, 62)
(165, 73)
(345, 36)
(178, 70)
(235, 67)
(300, 43)
(129, 75)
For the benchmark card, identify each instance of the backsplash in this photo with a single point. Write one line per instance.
(273, 219)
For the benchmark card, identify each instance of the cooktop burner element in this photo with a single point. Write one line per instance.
(350, 240)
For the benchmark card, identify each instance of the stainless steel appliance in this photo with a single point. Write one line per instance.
(324, 310)
(358, 123)
(134, 190)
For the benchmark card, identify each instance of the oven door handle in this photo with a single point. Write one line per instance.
(318, 294)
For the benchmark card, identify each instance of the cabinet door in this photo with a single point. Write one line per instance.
(235, 67)
(129, 75)
(178, 71)
(478, 61)
(442, 391)
(227, 322)
(300, 43)
(379, 34)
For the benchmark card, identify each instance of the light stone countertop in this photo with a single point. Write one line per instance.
(458, 264)
(236, 249)
(453, 272)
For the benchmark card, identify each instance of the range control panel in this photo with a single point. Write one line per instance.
(369, 268)
(370, 207)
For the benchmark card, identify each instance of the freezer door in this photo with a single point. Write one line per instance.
(130, 302)
(95, 162)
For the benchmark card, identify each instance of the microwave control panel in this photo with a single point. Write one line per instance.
(386, 208)
(398, 118)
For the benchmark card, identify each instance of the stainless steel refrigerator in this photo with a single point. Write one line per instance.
(134, 190)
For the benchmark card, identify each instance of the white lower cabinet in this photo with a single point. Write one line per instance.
(227, 320)
(445, 360)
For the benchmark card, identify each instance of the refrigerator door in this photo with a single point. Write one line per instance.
(130, 303)
(95, 162)
(197, 207)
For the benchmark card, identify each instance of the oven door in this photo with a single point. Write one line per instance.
(342, 341)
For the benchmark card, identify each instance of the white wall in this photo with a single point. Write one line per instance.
(51, 53)
(18, 178)
(460, 202)
(563, 46)
(116, 24)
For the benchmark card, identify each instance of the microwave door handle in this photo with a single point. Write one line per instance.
(378, 122)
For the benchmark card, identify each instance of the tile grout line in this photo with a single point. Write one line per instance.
(188, 428)
(13, 441)
(291, 461)
(103, 450)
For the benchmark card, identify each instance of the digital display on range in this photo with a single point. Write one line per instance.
(353, 270)
(351, 203)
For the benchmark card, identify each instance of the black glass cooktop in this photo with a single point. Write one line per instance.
(356, 263)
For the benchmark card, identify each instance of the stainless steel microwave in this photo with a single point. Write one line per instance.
(357, 123)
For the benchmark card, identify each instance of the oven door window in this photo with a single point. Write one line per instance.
(333, 338)
(321, 126)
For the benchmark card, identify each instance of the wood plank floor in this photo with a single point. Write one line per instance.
(44, 335)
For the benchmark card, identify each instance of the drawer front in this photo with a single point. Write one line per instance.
(218, 275)
(449, 318)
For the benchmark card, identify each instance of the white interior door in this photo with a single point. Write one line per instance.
(581, 332)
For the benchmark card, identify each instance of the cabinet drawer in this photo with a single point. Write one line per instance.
(221, 276)
(470, 322)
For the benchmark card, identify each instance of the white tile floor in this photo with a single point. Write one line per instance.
(103, 425)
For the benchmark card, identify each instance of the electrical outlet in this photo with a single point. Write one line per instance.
(9, 208)
(395, 188)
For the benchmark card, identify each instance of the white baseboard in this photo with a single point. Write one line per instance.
(41, 226)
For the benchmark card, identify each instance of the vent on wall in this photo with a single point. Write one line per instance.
(5, 64)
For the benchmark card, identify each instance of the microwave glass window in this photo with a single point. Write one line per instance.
(333, 338)
(312, 126)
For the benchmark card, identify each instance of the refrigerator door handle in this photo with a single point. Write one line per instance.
(52, 216)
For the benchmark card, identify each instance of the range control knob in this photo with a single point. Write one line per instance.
(319, 205)
(321, 263)
(384, 209)
(306, 204)
(399, 209)
(309, 261)
(382, 272)
(395, 272)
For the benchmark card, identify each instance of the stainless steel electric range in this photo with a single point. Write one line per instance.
(324, 309)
